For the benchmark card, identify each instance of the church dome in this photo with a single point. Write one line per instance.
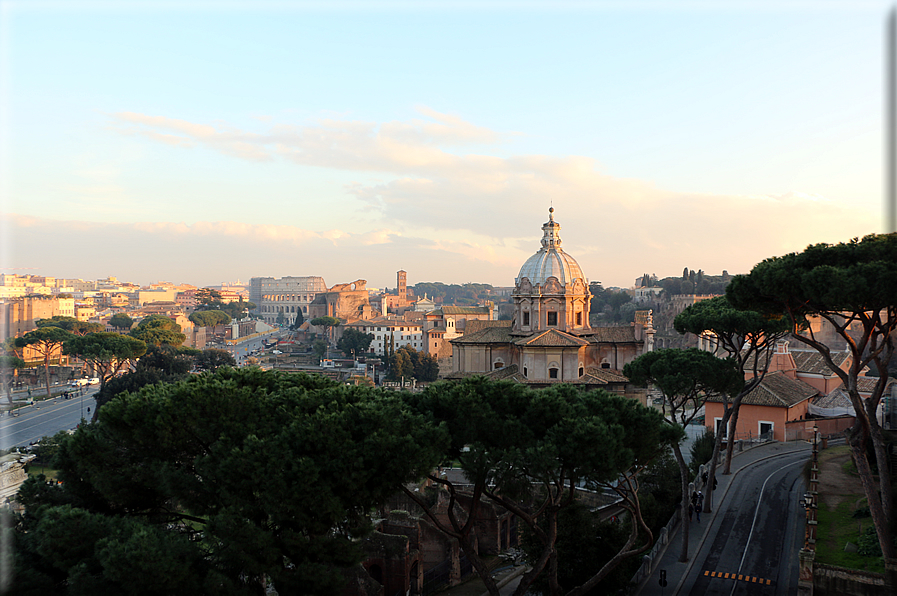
(551, 260)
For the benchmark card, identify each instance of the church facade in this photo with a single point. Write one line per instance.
(549, 339)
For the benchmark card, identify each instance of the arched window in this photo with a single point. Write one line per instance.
(552, 373)
(581, 370)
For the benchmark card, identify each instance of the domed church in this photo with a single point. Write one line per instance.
(549, 339)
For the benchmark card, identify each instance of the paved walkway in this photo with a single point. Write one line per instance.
(669, 558)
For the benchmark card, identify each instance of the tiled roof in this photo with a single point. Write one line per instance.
(613, 334)
(867, 384)
(592, 376)
(778, 390)
(837, 398)
(596, 375)
(485, 334)
(383, 322)
(812, 362)
(465, 310)
(553, 338)
(478, 325)
(511, 372)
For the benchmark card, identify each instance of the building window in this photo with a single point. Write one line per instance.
(524, 373)
(552, 319)
(581, 370)
(526, 318)
(578, 318)
(605, 365)
(552, 373)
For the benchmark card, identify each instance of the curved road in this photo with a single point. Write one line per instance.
(754, 540)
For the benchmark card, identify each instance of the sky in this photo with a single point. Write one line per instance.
(212, 142)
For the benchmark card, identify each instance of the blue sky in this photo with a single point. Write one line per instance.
(213, 142)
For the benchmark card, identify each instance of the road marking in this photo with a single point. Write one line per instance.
(737, 576)
(757, 511)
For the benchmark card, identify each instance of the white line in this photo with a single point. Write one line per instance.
(756, 512)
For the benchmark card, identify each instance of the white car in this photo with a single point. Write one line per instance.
(94, 381)
(276, 352)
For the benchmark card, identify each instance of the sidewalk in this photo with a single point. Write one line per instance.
(669, 557)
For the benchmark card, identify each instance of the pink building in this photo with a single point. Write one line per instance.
(793, 379)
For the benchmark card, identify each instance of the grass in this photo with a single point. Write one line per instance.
(37, 470)
(837, 526)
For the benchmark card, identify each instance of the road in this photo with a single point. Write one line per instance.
(44, 418)
(755, 538)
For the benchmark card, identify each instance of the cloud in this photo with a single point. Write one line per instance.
(482, 208)
(210, 252)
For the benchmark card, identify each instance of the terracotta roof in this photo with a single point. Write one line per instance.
(486, 334)
(603, 376)
(511, 372)
(837, 398)
(465, 310)
(613, 334)
(478, 325)
(553, 338)
(812, 362)
(778, 390)
(591, 376)
(867, 384)
(383, 322)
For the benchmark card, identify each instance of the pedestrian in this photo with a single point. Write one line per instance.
(699, 506)
(691, 510)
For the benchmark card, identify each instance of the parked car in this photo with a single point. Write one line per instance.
(80, 382)
(94, 381)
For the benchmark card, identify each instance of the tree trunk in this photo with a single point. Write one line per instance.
(549, 555)
(711, 472)
(462, 535)
(474, 557)
(856, 440)
(884, 471)
(629, 549)
(730, 442)
(683, 507)
(47, 373)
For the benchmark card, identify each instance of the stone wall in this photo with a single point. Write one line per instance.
(829, 580)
